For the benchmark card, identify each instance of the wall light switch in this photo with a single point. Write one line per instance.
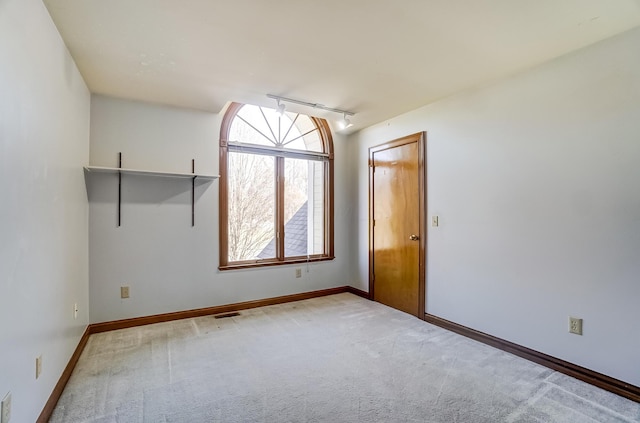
(124, 292)
(38, 366)
(434, 221)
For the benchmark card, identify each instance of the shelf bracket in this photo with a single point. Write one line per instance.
(120, 171)
(119, 186)
(193, 193)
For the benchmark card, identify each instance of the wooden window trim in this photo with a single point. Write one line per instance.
(224, 149)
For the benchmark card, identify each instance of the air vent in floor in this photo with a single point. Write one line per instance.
(225, 315)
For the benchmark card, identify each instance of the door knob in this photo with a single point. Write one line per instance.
(414, 237)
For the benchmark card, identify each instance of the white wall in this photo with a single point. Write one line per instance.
(44, 142)
(536, 180)
(169, 265)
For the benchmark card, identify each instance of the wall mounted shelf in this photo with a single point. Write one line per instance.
(141, 172)
(149, 172)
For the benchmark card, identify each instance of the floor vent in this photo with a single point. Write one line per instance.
(224, 316)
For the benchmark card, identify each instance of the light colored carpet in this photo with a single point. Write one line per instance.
(333, 359)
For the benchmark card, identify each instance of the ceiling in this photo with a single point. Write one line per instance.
(377, 58)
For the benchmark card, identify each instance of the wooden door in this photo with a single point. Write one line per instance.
(397, 225)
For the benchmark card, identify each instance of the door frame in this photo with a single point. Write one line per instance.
(421, 139)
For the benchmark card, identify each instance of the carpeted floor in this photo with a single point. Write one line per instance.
(333, 359)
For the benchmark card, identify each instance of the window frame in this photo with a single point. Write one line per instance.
(324, 132)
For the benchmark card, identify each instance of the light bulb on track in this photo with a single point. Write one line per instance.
(280, 108)
(346, 123)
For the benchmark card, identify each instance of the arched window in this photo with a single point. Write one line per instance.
(276, 188)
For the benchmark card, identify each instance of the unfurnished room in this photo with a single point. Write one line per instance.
(297, 211)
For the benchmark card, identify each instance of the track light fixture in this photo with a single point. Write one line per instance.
(280, 108)
(346, 122)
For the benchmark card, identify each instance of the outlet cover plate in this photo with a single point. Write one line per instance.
(5, 416)
(575, 325)
(298, 273)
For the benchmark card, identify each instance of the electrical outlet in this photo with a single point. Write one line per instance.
(38, 366)
(5, 415)
(298, 273)
(75, 311)
(124, 292)
(575, 325)
(434, 221)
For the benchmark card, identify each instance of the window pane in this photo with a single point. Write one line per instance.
(240, 131)
(303, 207)
(264, 126)
(294, 139)
(251, 198)
(313, 142)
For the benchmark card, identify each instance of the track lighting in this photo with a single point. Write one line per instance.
(345, 123)
(280, 108)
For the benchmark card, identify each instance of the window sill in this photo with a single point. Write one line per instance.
(265, 263)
